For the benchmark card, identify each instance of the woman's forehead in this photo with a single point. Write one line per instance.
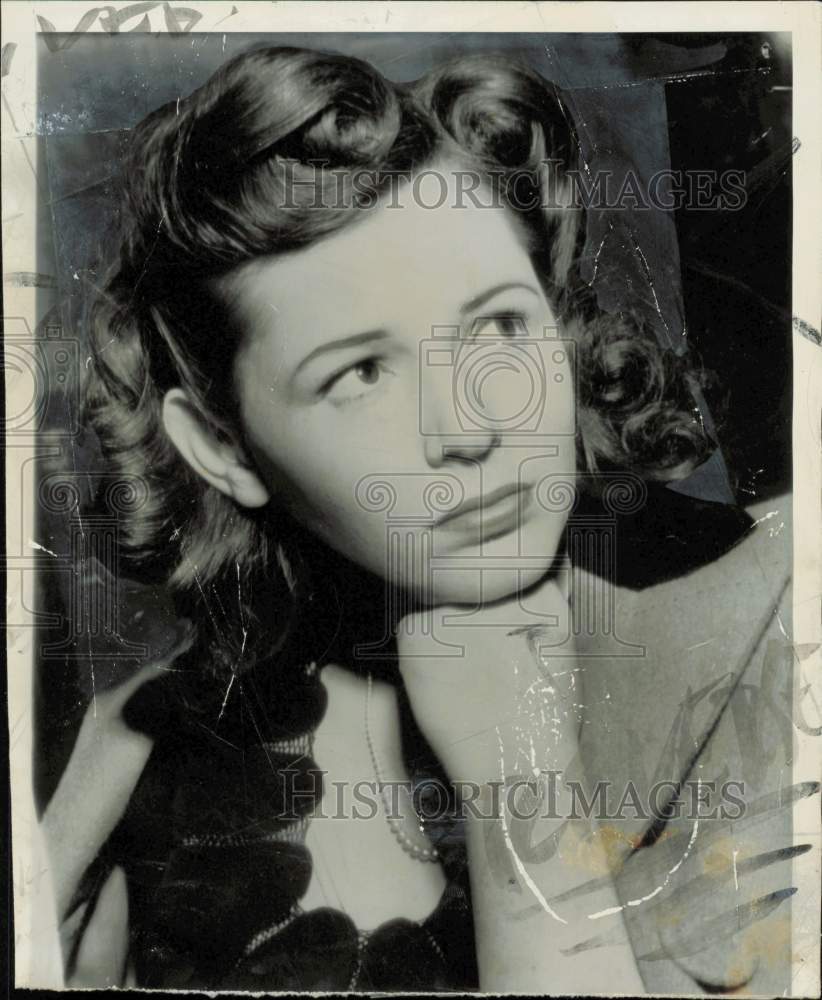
(419, 247)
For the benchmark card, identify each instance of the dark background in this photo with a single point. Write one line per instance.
(717, 285)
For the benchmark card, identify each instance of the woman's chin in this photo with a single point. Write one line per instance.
(450, 568)
(498, 568)
(475, 587)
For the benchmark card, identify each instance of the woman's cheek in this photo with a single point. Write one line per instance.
(326, 502)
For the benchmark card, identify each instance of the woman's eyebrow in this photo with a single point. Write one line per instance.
(479, 300)
(337, 345)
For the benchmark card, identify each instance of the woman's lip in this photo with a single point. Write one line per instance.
(491, 514)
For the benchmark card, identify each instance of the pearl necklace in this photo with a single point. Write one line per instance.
(418, 847)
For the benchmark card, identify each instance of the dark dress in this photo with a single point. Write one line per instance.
(212, 848)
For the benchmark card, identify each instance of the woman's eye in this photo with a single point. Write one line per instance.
(508, 326)
(355, 381)
(367, 372)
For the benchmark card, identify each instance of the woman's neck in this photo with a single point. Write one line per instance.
(358, 864)
(358, 726)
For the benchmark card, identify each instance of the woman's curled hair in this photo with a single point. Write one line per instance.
(229, 174)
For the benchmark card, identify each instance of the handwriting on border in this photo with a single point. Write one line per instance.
(178, 20)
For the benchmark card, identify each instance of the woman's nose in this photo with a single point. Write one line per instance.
(445, 438)
(475, 447)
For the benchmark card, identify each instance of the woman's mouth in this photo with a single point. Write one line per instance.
(490, 515)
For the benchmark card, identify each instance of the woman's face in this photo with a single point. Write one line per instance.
(405, 394)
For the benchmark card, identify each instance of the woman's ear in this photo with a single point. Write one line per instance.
(219, 464)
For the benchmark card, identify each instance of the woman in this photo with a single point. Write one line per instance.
(332, 296)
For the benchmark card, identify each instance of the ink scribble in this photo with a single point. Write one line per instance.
(178, 20)
(807, 331)
(6, 57)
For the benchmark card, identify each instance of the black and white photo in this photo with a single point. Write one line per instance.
(411, 519)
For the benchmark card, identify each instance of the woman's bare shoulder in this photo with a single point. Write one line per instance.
(762, 561)
(772, 518)
(749, 571)
(691, 631)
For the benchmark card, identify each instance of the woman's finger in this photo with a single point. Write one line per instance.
(101, 957)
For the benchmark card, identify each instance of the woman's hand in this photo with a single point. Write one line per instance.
(507, 707)
(493, 690)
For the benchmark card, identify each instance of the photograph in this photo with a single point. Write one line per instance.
(412, 498)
